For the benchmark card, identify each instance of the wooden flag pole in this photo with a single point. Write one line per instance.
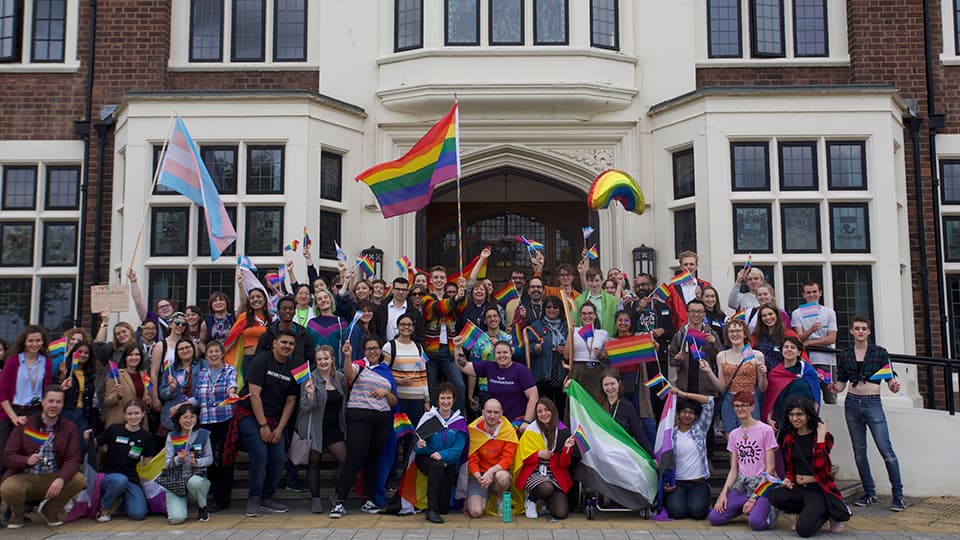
(459, 213)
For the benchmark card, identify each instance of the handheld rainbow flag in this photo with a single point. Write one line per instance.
(747, 266)
(470, 334)
(468, 270)
(114, 372)
(586, 331)
(681, 278)
(662, 293)
(244, 262)
(179, 442)
(292, 246)
(587, 231)
(57, 350)
(404, 264)
(39, 437)
(75, 362)
(766, 484)
(593, 253)
(740, 315)
(657, 379)
(581, 438)
(631, 350)
(232, 400)
(301, 372)
(365, 265)
(402, 425)
(808, 310)
(406, 184)
(531, 244)
(307, 242)
(506, 294)
(341, 255)
(662, 393)
(147, 383)
(746, 353)
(883, 374)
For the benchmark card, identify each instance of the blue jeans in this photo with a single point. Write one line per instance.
(118, 485)
(688, 500)
(266, 460)
(867, 411)
(78, 417)
(445, 364)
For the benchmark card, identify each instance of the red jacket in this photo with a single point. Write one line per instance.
(559, 465)
(66, 447)
(8, 379)
(678, 308)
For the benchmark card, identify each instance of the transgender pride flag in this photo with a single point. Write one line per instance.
(183, 171)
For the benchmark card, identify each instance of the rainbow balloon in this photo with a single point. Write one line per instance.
(614, 185)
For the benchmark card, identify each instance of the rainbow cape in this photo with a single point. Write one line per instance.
(402, 425)
(413, 486)
(614, 185)
(630, 351)
(506, 294)
(39, 437)
(406, 184)
(883, 374)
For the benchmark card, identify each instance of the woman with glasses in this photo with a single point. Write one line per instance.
(165, 354)
(546, 358)
(178, 382)
(739, 369)
(589, 358)
(406, 360)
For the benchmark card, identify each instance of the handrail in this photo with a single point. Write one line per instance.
(949, 366)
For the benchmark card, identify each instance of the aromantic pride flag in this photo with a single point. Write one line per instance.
(615, 465)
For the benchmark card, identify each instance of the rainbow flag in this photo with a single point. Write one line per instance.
(406, 184)
(470, 334)
(808, 310)
(39, 437)
(307, 242)
(114, 372)
(506, 294)
(883, 374)
(662, 393)
(747, 266)
(341, 255)
(179, 442)
(404, 264)
(587, 231)
(56, 351)
(746, 353)
(581, 439)
(662, 293)
(232, 400)
(147, 383)
(657, 379)
(301, 372)
(365, 264)
(765, 485)
(245, 263)
(631, 350)
(593, 253)
(402, 425)
(740, 315)
(292, 246)
(586, 332)
(681, 278)
(468, 269)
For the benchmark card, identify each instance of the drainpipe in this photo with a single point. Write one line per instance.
(82, 129)
(104, 128)
(914, 122)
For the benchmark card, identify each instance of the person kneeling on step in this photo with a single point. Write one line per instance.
(493, 444)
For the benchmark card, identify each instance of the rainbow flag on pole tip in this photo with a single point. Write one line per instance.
(747, 266)
(470, 334)
(593, 253)
(307, 242)
(661, 393)
(179, 442)
(662, 293)
(681, 278)
(657, 379)
(301, 372)
(581, 439)
(365, 264)
(39, 437)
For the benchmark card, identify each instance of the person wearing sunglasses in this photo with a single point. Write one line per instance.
(164, 354)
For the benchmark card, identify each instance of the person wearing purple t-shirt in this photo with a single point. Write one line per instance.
(510, 383)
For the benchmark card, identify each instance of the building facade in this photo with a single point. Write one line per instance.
(767, 128)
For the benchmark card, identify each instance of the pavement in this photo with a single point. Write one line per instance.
(929, 518)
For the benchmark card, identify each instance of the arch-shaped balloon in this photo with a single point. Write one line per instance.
(614, 185)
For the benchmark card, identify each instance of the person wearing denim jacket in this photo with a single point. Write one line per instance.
(178, 384)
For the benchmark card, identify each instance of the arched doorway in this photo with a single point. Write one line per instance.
(497, 206)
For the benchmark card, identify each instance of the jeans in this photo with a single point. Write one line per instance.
(197, 488)
(864, 412)
(807, 502)
(649, 429)
(79, 419)
(118, 485)
(759, 516)
(443, 363)
(266, 460)
(689, 500)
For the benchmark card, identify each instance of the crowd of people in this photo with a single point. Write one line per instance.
(334, 366)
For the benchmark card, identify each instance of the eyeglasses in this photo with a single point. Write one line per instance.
(741, 406)
(416, 293)
(551, 307)
(180, 323)
(404, 324)
(372, 349)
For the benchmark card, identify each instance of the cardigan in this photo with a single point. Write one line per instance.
(8, 379)
(316, 408)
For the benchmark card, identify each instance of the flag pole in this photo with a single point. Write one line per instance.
(153, 184)
(456, 103)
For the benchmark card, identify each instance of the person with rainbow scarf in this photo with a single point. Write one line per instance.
(493, 445)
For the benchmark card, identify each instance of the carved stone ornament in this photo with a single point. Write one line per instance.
(598, 159)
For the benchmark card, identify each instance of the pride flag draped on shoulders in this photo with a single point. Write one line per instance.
(487, 449)
(406, 184)
(413, 487)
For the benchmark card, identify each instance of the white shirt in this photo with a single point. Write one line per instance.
(393, 313)
(689, 290)
(689, 462)
(580, 352)
(828, 322)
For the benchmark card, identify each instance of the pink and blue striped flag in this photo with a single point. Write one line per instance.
(183, 171)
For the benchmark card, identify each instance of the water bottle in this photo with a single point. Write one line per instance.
(507, 509)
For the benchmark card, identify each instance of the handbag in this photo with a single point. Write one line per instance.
(172, 479)
(300, 446)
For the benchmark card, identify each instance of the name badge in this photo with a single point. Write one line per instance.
(122, 440)
(198, 447)
(665, 312)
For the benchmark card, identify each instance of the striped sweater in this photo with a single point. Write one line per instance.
(437, 313)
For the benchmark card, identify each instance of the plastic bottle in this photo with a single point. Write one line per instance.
(507, 509)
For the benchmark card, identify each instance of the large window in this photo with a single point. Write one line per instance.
(59, 244)
(168, 236)
(769, 28)
(49, 30)
(463, 22)
(793, 279)
(203, 239)
(10, 30)
(249, 21)
(38, 32)
(264, 169)
(16, 243)
(800, 228)
(852, 295)
(798, 166)
(604, 22)
(950, 177)
(56, 304)
(766, 26)
(751, 169)
(15, 296)
(752, 228)
(210, 281)
(683, 175)
(550, 24)
(408, 24)
(723, 22)
(685, 231)
(331, 176)
(951, 238)
(249, 38)
(846, 165)
(329, 234)
(206, 31)
(19, 187)
(810, 28)
(849, 228)
(290, 31)
(221, 162)
(63, 186)
(264, 230)
(506, 22)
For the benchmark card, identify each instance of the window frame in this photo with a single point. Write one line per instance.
(784, 207)
(47, 225)
(956, 39)
(278, 249)
(46, 200)
(46, 281)
(396, 27)
(796, 298)
(185, 214)
(179, 273)
(321, 252)
(566, 26)
(208, 271)
(276, 33)
(263, 34)
(843, 336)
(490, 39)
(826, 33)
(948, 255)
(812, 145)
(616, 27)
(863, 162)
(676, 230)
(204, 240)
(16, 49)
(190, 54)
(33, 240)
(6, 171)
(733, 165)
(674, 156)
(953, 163)
(446, 26)
(866, 226)
(759, 206)
(754, 52)
(33, 36)
(19, 282)
(236, 166)
(710, 53)
(327, 154)
(283, 168)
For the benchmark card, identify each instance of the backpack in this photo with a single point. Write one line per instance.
(393, 350)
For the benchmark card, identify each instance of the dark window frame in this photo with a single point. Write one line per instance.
(863, 161)
(616, 28)
(33, 36)
(733, 164)
(952, 163)
(55, 168)
(677, 248)
(793, 299)
(956, 37)
(180, 273)
(236, 165)
(754, 44)
(263, 34)
(816, 171)
(283, 168)
(739, 54)
(783, 229)
(322, 252)
(826, 33)
(326, 154)
(866, 227)
(276, 32)
(248, 233)
(948, 257)
(157, 188)
(843, 335)
(16, 39)
(566, 26)
(763, 206)
(71, 303)
(191, 56)
(203, 240)
(43, 245)
(33, 240)
(396, 28)
(674, 156)
(446, 27)
(6, 171)
(197, 298)
(185, 212)
(494, 42)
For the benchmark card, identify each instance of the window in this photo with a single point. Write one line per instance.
(248, 30)
(167, 283)
(63, 185)
(550, 22)
(951, 238)
(950, 176)
(49, 30)
(206, 31)
(463, 22)
(506, 22)
(14, 306)
(852, 295)
(751, 171)
(290, 30)
(16, 244)
(168, 226)
(956, 28)
(793, 279)
(752, 228)
(768, 275)
(683, 177)
(59, 244)
(203, 239)
(849, 229)
(798, 166)
(221, 162)
(800, 228)
(211, 280)
(810, 28)
(56, 304)
(766, 26)
(331, 176)
(685, 230)
(329, 233)
(604, 24)
(408, 25)
(723, 23)
(846, 165)
(157, 188)
(10, 14)
(265, 169)
(264, 230)
(19, 188)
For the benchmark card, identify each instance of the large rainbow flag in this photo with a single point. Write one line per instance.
(406, 185)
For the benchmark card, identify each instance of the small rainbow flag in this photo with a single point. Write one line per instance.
(681, 278)
(292, 246)
(587, 231)
(765, 485)
(301, 372)
(662, 293)
(307, 242)
(740, 315)
(657, 379)
(402, 425)
(531, 244)
(581, 439)
(662, 393)
(883, 374)
(746, 353)
(631, 350)
(75, 362)
(114, 372)
(404, 264)
(244, 262)
(747, 266)
(506, 294)
(39, 437)
(232, 400)
(470, 334)
(147, 383)
(341, 255)
(179, 442)
(56, 350)
(593, 253)
(365, 264)
(586, 331)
